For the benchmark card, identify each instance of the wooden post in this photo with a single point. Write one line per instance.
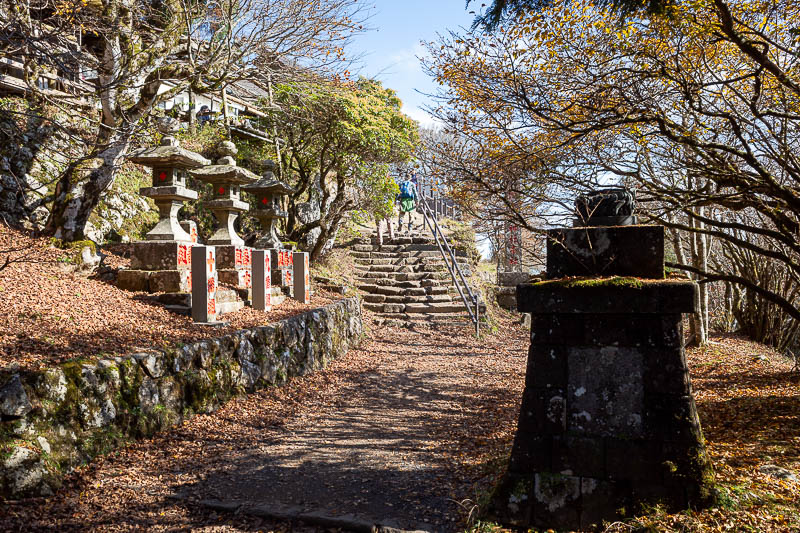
(262, 281)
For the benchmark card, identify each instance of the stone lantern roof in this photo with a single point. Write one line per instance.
(170, 153)
(226, 170)
(268, 183)
(168, 190)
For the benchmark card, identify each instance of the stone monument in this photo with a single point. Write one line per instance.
(162, 262)
(226, 178)
(607, 422)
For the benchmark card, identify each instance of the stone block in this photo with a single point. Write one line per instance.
(531, 453)
(606, 297)
(556, 500)
(628, 459)
(171, 281)
(235, 278)
(204, 285)
(262, 280)
(605, 392)
(161, 256)
(134, 280)
(649, 491)
(564, 329)
(547, 366)
(512, 502)
(234, 257)
(543, 411)
(601, 500)
(301, 274)
(578, 456)
(666, 372)
(606, 251)
(672, 418)
(512, 279)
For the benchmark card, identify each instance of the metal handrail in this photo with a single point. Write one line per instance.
(429, 216)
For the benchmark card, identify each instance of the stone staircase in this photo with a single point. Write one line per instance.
(407, 283)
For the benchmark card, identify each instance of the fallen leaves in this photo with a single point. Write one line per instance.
(50, 315)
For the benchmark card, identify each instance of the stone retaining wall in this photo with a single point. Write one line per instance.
(58, 418)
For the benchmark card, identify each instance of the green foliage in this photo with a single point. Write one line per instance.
(346, 135)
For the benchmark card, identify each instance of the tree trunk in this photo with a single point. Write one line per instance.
(702, 252)
(76, 197)
(192, 117)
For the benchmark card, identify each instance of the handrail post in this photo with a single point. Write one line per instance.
(477, 316)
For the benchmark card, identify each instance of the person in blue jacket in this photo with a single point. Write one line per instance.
(408, 202)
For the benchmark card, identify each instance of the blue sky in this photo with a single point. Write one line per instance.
(391, 49)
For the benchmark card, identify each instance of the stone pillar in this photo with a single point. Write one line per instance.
(302, 286)
(607, 420)
(262, 281)
(204, 285)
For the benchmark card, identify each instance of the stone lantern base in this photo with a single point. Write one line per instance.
(234, 265)
(158, 267)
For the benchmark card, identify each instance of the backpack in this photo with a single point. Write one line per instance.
(407, 190)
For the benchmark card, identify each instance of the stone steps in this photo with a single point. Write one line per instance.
(379, 254)
(407, 283)
(400, 248)
(388, 290)
(403, 276)
(412, 284)
(424, 320)
(394, 299)
(413, 239)
(424, 262)
(415, 308)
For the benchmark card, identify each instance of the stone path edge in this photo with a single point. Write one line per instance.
(346, 522)
(58, 418)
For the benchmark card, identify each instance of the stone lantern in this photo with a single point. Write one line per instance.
(226, 178)
(268, 192)
(226, 204)
(169, 163)
(162, 262)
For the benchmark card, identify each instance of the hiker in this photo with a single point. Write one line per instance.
(407, 200)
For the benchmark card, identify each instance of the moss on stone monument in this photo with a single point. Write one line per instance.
(577, 283)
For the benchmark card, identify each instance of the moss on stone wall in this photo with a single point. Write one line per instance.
(87, 407)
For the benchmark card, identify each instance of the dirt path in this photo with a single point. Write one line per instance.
(397, 431)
